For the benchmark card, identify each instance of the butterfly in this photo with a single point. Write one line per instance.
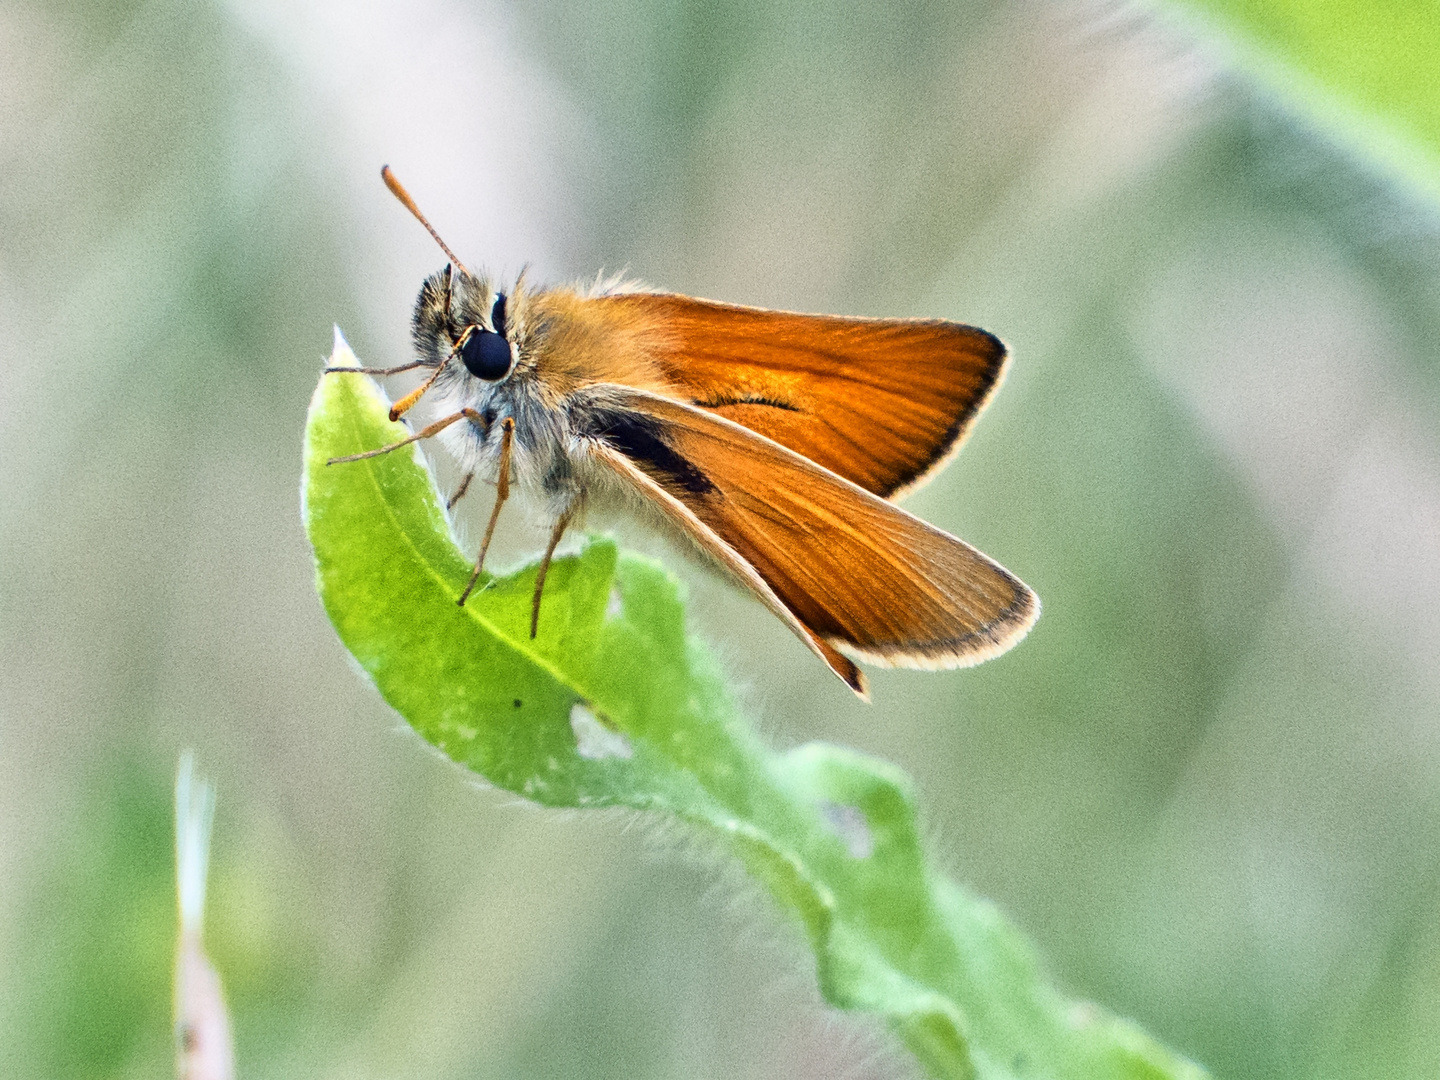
(773, 443)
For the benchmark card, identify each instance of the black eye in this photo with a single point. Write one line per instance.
(497, 314)
(487, 355)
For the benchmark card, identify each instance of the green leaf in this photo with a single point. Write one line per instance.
(612, 705)
(1365, 70)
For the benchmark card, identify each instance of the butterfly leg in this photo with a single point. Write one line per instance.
(401, 407)
(502, 492)
(424, 433)
(555, 536)
(371, 370)
(460, 491)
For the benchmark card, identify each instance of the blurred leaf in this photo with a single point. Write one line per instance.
(613, 706)
(1362, 70)
(97, 940)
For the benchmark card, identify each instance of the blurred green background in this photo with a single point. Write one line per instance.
(1208, 784)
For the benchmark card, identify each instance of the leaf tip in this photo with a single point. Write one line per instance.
(340, 352)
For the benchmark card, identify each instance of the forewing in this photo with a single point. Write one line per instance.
(881, 402)
(856, 572)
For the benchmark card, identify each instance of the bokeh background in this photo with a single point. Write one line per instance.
(1208, 784)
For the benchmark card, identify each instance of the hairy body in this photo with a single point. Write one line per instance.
(772, 442)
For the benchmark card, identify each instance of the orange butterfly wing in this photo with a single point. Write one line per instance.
(849, 572)
(882, 402)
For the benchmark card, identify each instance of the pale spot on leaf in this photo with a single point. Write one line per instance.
(593, 739)
(848, 823)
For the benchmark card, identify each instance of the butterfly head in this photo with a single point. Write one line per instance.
(463, 316)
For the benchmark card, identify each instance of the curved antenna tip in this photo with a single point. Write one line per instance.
(398, 190)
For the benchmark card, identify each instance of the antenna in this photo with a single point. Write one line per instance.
(404, 196)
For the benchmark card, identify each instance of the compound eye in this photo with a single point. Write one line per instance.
(486, 355)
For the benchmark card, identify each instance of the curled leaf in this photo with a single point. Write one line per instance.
(613, 705)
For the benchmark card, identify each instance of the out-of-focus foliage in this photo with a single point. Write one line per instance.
(612, 705)
(1362, 70)
(1207, 786)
